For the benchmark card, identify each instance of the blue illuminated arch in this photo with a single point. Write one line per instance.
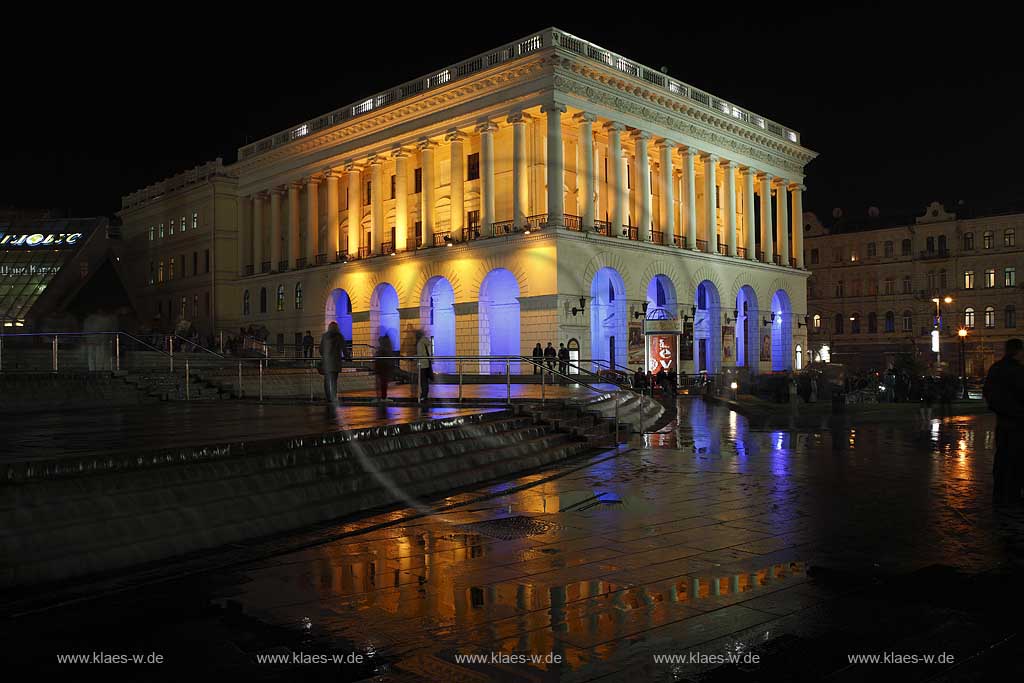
(782, 332)
(661, 298)
(608, 329)
(748, 352)
(338, 309)
(707, 329)
(437, 318)
(384, 315)
(499, 319)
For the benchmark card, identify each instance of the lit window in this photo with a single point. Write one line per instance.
(1009, 277)
(1009, 237)
(987, 239)
(990, 317)
(969, 318)
(817, 322)
(171, 230)
(181, 309)
(280, 297)
(170, 269)
(152, 233)
(245, 303)
(195, 220)
(161, 231)
(968, 279)
(183, 224)
(160, 272)
(908, 321)
(854, 255)
(990, 278)
(298, 297)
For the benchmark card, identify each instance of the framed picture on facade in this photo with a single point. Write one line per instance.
(728, 342)
(766, 347)
(636, 344)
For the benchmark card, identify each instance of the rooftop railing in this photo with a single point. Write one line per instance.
(547, 38)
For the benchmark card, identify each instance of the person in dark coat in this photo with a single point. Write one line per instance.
(330, 354)
(383, 366)
(639, 378)
(551, 356)
(538, 359)
(1004, 393)
(307, 344)
(563, 359)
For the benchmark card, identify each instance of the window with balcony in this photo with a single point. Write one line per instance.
(968, 279)
(987, 239)
(1009, 237)
(908, 321)
(1009, 277)
(888, 248)
(905, 248)
(473, 166)
(1010, 316)
(969, 318)
(990, 317)
(968, 241)
(890, 321)
(990, 278)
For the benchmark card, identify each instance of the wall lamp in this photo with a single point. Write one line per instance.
(692, 316)
(765, 322)
(734, 318)
(577, 311)
(447, 240)
(805, 323)
(638, 314)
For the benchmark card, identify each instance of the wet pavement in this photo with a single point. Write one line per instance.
(491, 391)
(708, 541)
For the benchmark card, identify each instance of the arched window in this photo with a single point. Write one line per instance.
(987, 239)
(905, 248)
(280, 297)
(298, 296)
(855, 323)
(839, 323)
(1010, 316)
(1009, 237)
(908, 321)
(908, 285)
(968, 241)
(888, 248)
(990, 317)
(890, 321)
(263, 299)
(245, 302)
(817, 321)
(872, 322)
(969, 318)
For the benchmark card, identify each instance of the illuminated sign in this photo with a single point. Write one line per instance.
(935, 341)
(39, 239)
(661, 356)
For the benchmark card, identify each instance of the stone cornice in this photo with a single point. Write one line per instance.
(618, 93)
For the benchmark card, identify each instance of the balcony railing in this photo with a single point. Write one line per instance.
(741, 252)
(502, 228)
(776, 259)
(941, 253)
(471, 233)
(300, 263)
(364, 252)
(387, 247)
(679, 241)
(537, 221)
(631, 231)
(702, 245)
(570, 222)
(760, 256)
(341, 255)
(792, 262)
(603, 228)
(442, 238)
(248, 270)
(321, 259)
(658, 236)
(282, 266)
(723, 249)
(419, 240)
(265, 267)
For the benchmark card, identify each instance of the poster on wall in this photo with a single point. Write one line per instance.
(661, 353)
(766, 347)
(728, 343)
(686, 341)
(635, 351)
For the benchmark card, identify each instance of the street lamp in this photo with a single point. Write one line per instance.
(962, 333)
(938, 323)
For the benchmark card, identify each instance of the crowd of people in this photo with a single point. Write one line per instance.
(550, 357)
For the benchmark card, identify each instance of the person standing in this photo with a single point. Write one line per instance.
(383, 366)
(330, 364)
(423, 364)
(1004, 394)
(307, 344)
(538, 359)
(563, 359)
(550, 357)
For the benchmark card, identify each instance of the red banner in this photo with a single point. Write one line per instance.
(661, 353)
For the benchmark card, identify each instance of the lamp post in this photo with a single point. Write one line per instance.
(962, 333)
(936, 329)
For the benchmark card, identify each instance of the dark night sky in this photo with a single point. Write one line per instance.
(903, 107)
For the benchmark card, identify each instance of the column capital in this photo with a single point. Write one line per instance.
(375, 160)
(312, 180)
(781, 183)
(748, 170)
(426, 144)
(584, 117)
(691, 152)
(553, 106)
(764, 176)
(797, 187)
(295, 185)
(518, 117)
(709, 157)
(276, 191)
(486, 127)
(615, 125)
(640, 135)
(665, 143)
(330, 173)
(455, 135)
(729, 163)
(352, 166)
(399, 153)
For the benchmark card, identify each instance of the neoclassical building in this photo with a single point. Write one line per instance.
(547, 190)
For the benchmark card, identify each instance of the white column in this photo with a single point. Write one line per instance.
(275, 229)
(555, 164)
(617, 193)
(587, 181)
(748, 212)
(332, 216)
(782, 220)
(797, 195)
(244, 235)
(294, 221)
(690, 198)
(520, 179)
(767, 234)
(401, 200)
(376, 204)
(257, 233)
(312, 221)
(487, 216)
(355, 212)
(710, 202)
(643, 175)
(729, 167)
(668, 211)
(457, 179)
(427, 193)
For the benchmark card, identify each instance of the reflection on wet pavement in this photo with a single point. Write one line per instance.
(708, 536)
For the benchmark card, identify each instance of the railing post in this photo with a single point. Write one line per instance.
(55, 353)
(239, 379)
(222, 342)
(460, 380)
(508, 382)
(310, 375)
(170, 342)
(188, 392)
(117, 351)
(419, 380)
(542, 388)
(616, 402)
(261, 380)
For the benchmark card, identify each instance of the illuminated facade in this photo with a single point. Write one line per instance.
(874, 287)
(483, 201)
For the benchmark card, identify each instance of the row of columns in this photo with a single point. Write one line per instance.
(555, 167)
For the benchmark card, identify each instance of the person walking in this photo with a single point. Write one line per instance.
(563, 359)
(383, 366)
(538, 359)
(307, 344)
(550, 357)
(424, 364)
(330, 363)
(1004, 394)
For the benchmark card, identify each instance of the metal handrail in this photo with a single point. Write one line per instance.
(198, 346)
